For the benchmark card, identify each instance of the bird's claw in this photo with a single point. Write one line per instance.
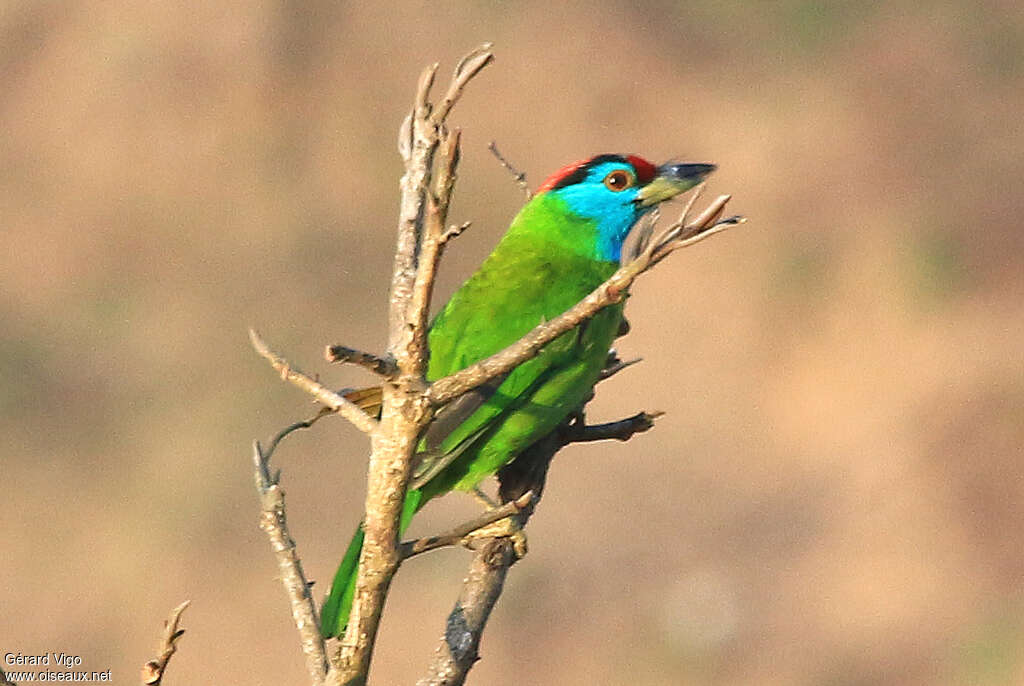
(503, 528)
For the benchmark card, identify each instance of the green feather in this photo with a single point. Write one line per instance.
(543, 266)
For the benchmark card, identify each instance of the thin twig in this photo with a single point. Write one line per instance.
(304, 424)
(520, 177)
(381, 366)
(622, 430)
(454, 231)
(346, 409)
(154, 670)
(685, 232)
(468, 67)
(611, 291)
(4, 681)
(274, 523)
(456, 535)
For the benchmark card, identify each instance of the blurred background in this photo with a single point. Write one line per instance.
(835, 494)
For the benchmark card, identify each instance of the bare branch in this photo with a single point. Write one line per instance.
(304, 424)
(4, 681)
(611, 291)
(454, 231)
(520, 177)
(336, 402)
(153, 671)
(381, 366)
(274, 523)
(622, 430)
(456, 535)
(526, 475)
(468, 67)
(430, 246)
(451, 153)
(683, 233)
(404, 409)
(458, 650)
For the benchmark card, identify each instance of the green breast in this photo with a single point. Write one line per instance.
(541, 268)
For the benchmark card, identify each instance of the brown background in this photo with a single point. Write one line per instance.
(835, 495)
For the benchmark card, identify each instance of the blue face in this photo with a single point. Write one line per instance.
(607, 195)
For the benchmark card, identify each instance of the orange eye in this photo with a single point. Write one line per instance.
(618, 180)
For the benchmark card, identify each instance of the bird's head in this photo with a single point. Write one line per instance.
(614, 191)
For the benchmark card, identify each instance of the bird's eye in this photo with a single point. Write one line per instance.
(618, 180)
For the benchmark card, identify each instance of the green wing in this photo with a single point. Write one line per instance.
(523, 283)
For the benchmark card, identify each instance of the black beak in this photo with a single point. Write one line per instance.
(694, 173)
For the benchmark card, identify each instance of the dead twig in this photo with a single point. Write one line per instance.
(333, 400)
(622, 430)
(518, 176)
(274, 523)
(454, 231)
(381, 366)
(456, 535)
(304, 424)
(680, 234)
(154, 670)
(468, 67)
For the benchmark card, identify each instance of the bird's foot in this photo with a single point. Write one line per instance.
(503, 528)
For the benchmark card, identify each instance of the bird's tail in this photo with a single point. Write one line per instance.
(336, 608)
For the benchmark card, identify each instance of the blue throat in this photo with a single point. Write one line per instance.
(612, 214)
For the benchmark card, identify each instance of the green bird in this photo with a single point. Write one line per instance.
(563, 244)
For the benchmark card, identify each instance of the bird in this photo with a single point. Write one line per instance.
(564, 242)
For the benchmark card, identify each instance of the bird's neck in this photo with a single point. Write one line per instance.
(549, 218)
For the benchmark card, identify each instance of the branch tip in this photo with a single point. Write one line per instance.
(273, 521)
(467, 68)
(381, 366)
(153, 671)
(454, 231)
(518, 176)
(326, 396)
(622, 430)
(423, 86)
